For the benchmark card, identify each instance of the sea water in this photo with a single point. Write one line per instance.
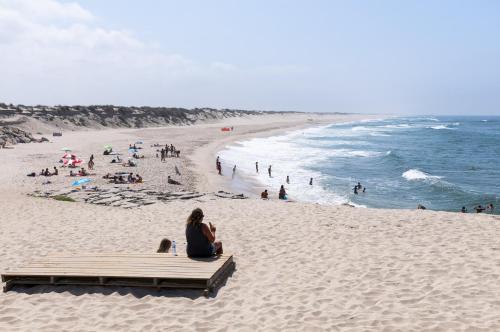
(443, 163)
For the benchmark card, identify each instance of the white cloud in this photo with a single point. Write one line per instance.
(47, 10)
(57, 53)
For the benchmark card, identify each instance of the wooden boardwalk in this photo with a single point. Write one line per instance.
(117, 269)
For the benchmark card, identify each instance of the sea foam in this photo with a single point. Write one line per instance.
(415, 175)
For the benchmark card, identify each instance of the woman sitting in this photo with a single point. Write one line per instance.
(282, 193)
(201, 237)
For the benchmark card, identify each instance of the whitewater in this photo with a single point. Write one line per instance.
(443, 163)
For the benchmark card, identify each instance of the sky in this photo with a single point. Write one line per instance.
(399, 57)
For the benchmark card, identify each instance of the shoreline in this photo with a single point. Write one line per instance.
(250, 183)
(251, 187)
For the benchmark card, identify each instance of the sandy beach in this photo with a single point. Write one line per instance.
(300, 267)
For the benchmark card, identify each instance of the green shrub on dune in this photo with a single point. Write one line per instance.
(63, 198)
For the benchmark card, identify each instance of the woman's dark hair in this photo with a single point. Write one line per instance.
(196, 217)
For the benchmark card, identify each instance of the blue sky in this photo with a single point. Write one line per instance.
(416, 57)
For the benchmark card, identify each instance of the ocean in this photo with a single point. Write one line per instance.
(442, 163)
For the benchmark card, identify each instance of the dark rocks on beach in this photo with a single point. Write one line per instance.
(131, 198)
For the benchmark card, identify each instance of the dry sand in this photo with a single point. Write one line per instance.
(300, 267)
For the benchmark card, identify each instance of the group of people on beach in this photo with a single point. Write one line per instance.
(479, 208)
(282, 191)
(81, 172)
(173, 152)
(45, 172)
(119, 178)
(281, 195)
(200, 238)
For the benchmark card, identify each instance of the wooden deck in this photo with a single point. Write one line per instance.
(116, 269)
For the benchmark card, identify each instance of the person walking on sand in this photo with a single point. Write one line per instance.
(311, 182)
(91, 162)
(287, 179)
(200, 237)
(234, 172)
(219, 168)
(257, 167)
(269, 171)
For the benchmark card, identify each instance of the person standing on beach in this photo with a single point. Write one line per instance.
(269, 171)
(311, 182)
(219, 168)
(257, 166)
(91, 162)
(490, 208)
(287, 179)
(217, 163)
(234, 172)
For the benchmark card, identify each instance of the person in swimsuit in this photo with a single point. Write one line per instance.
(479, 209)
(282, 193)
(200, 237)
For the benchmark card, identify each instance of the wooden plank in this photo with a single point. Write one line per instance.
(150, 255)
(224, 268)
(145, 268)
(119, 269)
(111, 272)
(113, 283)
(207, 267)
(131, 265)
(162, 260)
